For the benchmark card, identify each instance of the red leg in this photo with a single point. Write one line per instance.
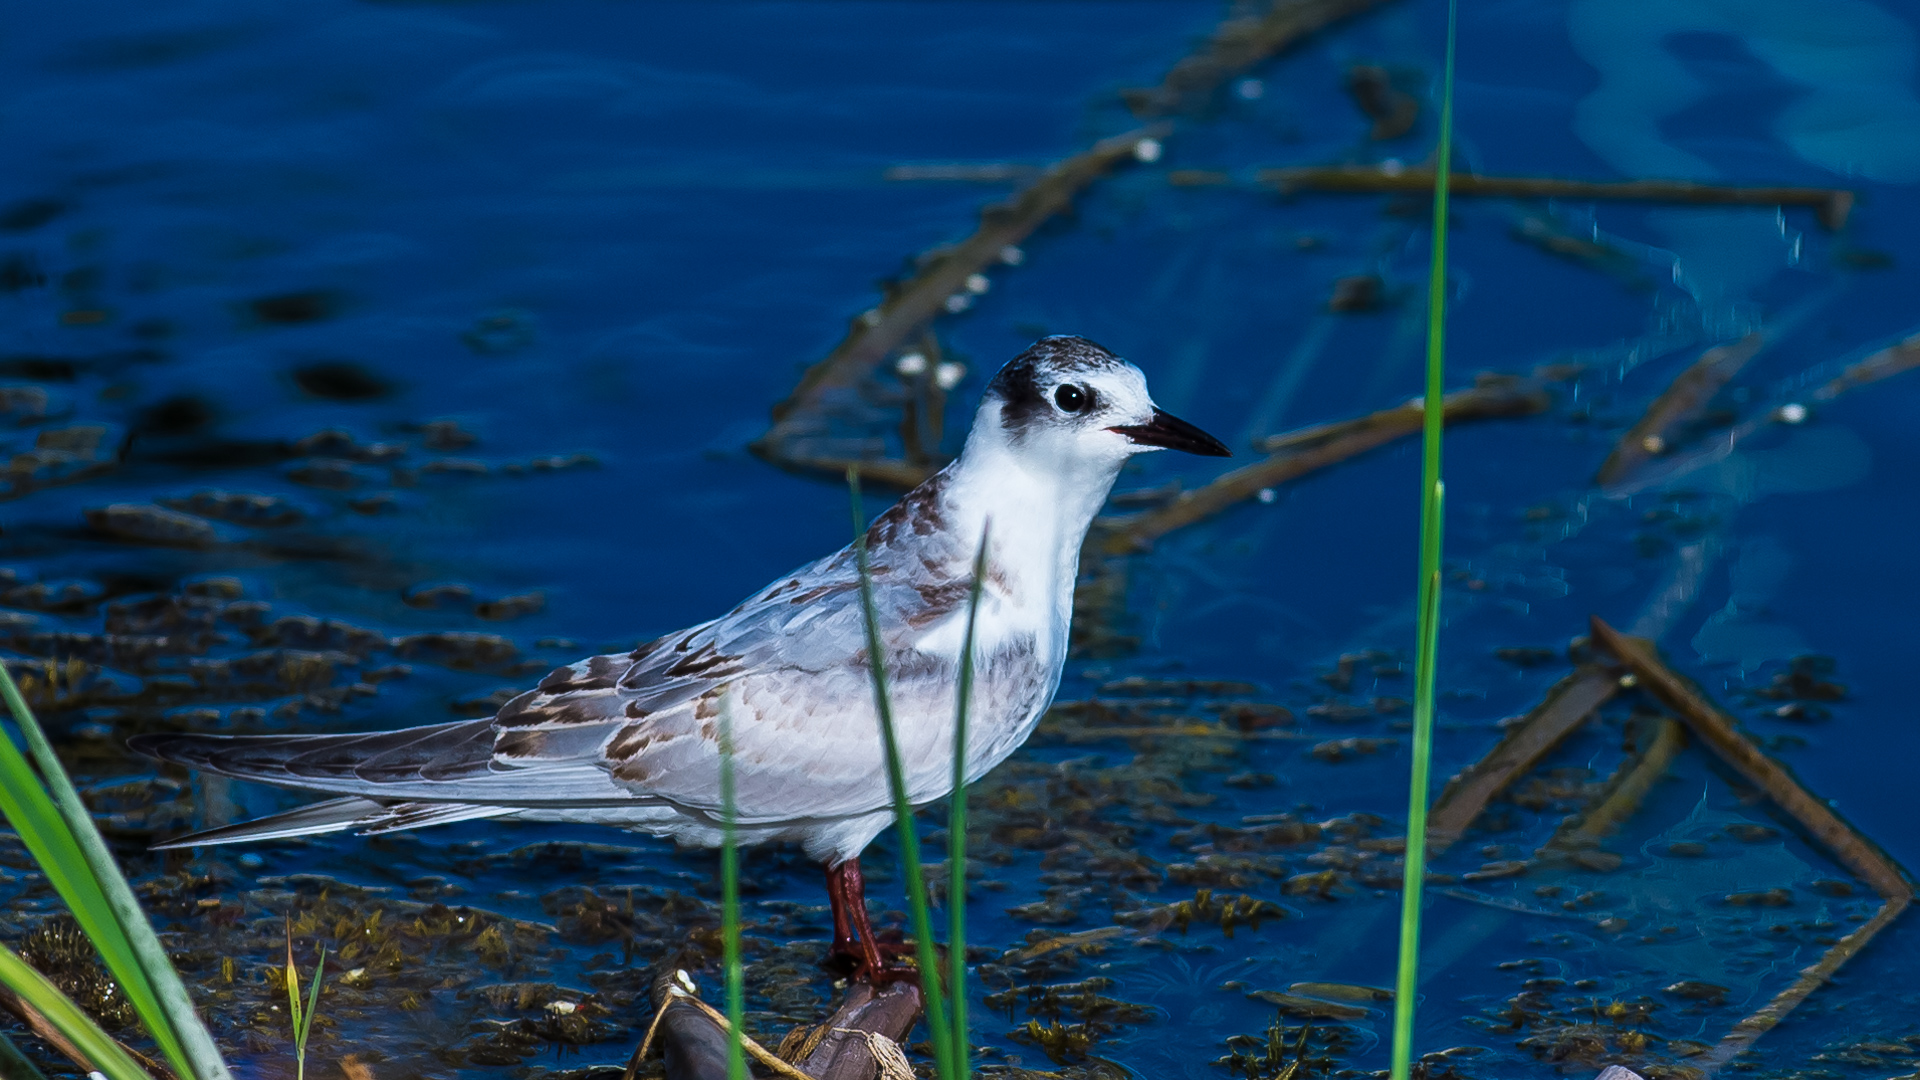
(852, 934)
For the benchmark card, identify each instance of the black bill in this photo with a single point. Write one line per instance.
(1174, 434)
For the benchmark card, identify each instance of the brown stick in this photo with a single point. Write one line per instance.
(916, 302)
(1563, 710)
(1236, 45)
(1681, 402)
(1831, 205)
(1625, 790)
(1854, 851)
(1717, 731)
(1297, 453)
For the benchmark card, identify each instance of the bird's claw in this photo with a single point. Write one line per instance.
(855, 962)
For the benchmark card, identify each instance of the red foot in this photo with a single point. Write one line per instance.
(856, 951)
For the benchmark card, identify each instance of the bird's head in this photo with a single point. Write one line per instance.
(1072, 406)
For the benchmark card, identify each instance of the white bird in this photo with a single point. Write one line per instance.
(632, 739)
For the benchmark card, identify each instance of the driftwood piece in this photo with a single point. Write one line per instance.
(1558, 715)
(1858, 854)
(1831, 205)
(1297, 453)
(695, 1048)
(853, 1044)
(914, 303)
(1237, 45)
(840, 1050)
(1680, 403)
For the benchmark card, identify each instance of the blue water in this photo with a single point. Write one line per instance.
(651, 216)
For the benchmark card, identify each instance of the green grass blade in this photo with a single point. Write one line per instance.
(67, 1018)
(957, 829)
(59, 832)
(937, 1030)
(730, 901)
(1432, 496)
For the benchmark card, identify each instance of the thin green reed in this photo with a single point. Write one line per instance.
(730, 900)
(939, 1033)
(1432, 497)
(957, 828)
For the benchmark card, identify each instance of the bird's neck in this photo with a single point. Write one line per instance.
(1037, 515)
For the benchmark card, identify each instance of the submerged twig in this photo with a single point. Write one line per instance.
(1892, 360)
(1549, 235)
(1236, 45)
(912, 304)
(1680, 403)
(1564, 709)
(1832, 205)
(1659, 741)
(1886, 363)
(1300, 452)
(1854, 851)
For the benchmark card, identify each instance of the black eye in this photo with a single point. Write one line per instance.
(1070, 398)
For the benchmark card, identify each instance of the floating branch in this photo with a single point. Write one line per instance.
(1681, 403)
(1300, 452)
(1236, 45)
(1558, 715)
(1854, 851)
(911, 305)
(1831, 205)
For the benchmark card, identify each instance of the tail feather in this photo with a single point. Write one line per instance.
(439, 752)
(365, 816)
(447, 764)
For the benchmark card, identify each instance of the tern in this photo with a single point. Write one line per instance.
(631, 739)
